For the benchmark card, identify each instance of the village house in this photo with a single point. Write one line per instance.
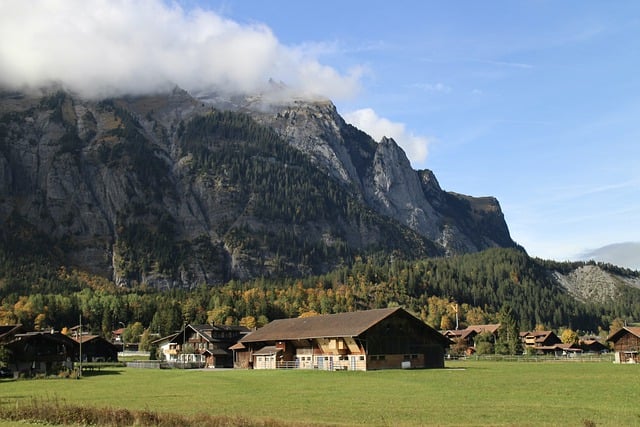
(96, 349)
(626, 344)
(540, 342)
(202, 345)
(592, 345)
(46, 353)
(465, 338)
(362, 340)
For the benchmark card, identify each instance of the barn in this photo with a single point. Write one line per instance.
(626, 344)
(363, 340)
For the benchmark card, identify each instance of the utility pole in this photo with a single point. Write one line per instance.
(124, 344)
(80, 341)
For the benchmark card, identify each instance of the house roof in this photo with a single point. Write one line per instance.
(216, 352)
(634, 330)
(459, 333)
(164, 340)
(472, 330)
(47, 336)
(592, 344)
(237, 346)
(7, 331)
(493, 328)
(351, 324)
(83, 339)
(539, 336)
(268, 350)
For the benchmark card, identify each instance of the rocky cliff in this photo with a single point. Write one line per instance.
(175, 190)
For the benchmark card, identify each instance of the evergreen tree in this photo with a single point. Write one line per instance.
(508, 341)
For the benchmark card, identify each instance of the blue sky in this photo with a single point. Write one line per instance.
(534, 102)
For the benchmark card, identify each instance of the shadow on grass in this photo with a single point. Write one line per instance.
(101, 372)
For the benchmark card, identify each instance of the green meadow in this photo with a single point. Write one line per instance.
(466, 393)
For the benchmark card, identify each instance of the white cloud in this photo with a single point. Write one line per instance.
(107, 47)
(432, 87)
(416, 147)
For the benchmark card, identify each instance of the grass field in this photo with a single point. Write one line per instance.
(466, 393)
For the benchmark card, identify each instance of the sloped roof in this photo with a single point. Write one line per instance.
(164, 340)
(203, 330)
(88, 338)
(351, 324)
(84, 338)
(539, 336)
(635, 330)
(7, 331)
(492, 327)
(459, 333)
(47, 336)
(269, 350)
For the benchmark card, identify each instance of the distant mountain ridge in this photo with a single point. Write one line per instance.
(626, 254)
(173, 190)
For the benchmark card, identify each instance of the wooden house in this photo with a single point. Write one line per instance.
(96, 349)
(592, 345)
(541, 342)
(466, 337)
(47, 353)
(362, 340)
(626, 344)
(202, 345)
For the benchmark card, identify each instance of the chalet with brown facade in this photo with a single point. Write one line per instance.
(202, 345)
(540, 342)
(626, 344)
(362, 340)
(46, 353)
(96, 349)
(592, 345)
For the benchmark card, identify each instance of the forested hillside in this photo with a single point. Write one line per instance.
(40, 295)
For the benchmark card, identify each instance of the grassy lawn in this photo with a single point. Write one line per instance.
(469, 393)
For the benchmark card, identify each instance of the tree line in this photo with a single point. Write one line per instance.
(444, 292)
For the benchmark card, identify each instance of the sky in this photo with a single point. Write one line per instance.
(533, 102)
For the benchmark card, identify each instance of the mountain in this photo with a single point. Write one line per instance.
(593, 283)
(173, 190)
(625, 254)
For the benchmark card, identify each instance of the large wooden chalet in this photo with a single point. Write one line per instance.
(362, 340)
(626, 344)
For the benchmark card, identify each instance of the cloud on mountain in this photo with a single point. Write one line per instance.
(113, 47)
(626, 254)
(366, 119)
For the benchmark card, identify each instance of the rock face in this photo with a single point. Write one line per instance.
(591, 283)
(170, 191)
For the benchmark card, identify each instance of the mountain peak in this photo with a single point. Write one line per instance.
(175, 190)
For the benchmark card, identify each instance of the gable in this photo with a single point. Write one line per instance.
(625, 331)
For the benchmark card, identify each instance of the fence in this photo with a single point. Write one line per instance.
(586, 357)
